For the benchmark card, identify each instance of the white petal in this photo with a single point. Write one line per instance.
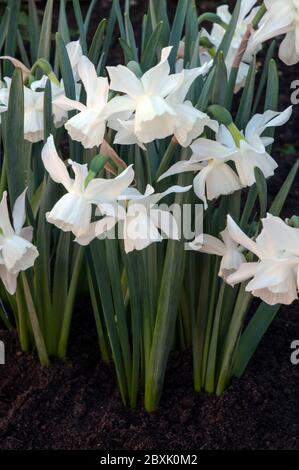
(245, 272)
(67, 104)
(207, 244)
(54, 165)
(87, 127)
(5, 224)
(241, 238)
(9, 280)
(81, 172)
(19, 214)
(288, 52)
(125, 81)
(100, 189)
(72, 213)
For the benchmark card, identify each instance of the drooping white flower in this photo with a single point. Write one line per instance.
(157, 102)
(16, 250)
(141, 222)
(215, 177)
(72, 213)
(282, 17)
(251, 147)
(34, 99)
(189, 122)
(247, 13)
(275, 274)
(229, 250)
(89, 125)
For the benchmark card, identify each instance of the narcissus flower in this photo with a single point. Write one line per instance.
(89, 125)
(215, 177)
(141, 222)
(72, 213)
(251, 146)
(275, 273)
(282, 17)
(157, 100)
(247, 13)
(16, 250)
(34, 98)
(229, 250)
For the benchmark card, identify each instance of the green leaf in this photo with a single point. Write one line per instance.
(15, 137)
(261, 186)
(252, 336)
(282, 195)
(97, 43)
(34, 29)
(11, 37)
(220, 81)
(65, 68)
(245, 107)
(79, 19)
(149, 52)
(131, 37)
(227, 38)
(44, 47)
(264, 75)
(48, 121)
(177, 30)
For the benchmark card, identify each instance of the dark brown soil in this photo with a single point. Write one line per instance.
(76, 405)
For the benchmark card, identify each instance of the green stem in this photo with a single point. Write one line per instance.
(38, 337)
(22, 320)
(69, 306)
(259, 15)
(211, 365)
(233, 337)
(166, 160)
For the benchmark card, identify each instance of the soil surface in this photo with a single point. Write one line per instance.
(76, 404)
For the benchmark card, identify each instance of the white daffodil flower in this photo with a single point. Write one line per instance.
(73, 211)
(251, 147)
(189, 122)
(34, 99)
(247, 13)
(229, 250)
(215, 177)
(275, 274)
(16, 250)
(89, 125)
(141, 221)
(185, 123)
(146, 97)
(157, 99)
(282, 17)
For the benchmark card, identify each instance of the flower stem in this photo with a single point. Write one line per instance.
(68, 311)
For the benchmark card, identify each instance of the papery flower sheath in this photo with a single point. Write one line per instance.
(72, 213)
(275, 273)
(17, 253)
(215, 177)
(229, 250)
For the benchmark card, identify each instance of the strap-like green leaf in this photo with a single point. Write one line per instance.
(252, 336)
